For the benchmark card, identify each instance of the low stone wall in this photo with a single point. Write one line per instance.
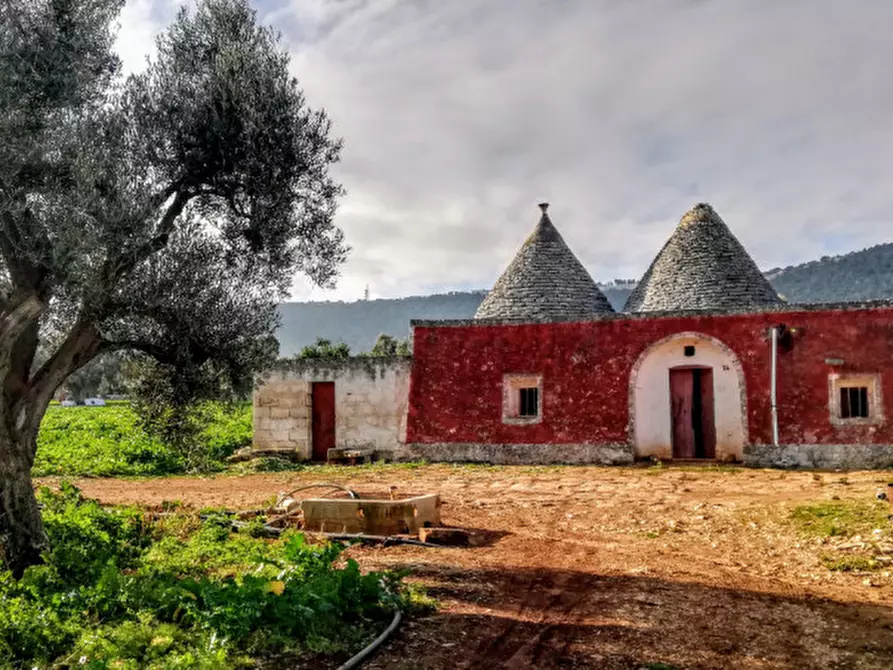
(520, 454)
(370, 404)
(820, 456)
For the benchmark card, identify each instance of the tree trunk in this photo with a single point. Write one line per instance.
(21, 527)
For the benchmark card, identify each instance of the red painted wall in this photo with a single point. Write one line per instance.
(456, 385)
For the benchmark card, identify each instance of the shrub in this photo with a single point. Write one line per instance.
(118, 591)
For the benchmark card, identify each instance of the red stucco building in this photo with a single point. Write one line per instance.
(706, 361)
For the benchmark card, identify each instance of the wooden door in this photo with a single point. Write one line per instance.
(681, 390)
(708, 418)
(323, 418)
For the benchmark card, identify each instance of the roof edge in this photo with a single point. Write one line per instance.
(782, 308)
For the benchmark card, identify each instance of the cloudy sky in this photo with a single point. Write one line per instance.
(458, 116)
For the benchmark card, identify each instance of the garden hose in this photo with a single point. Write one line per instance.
(350, 493)
(375, 644)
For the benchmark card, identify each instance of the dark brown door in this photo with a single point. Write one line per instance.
(708, 423)
(681, 389)
(323, 416)
(693, 414)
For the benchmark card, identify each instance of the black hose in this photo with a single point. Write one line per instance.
(350, 493)
(384, 539)
(273, 531)
(375, 644)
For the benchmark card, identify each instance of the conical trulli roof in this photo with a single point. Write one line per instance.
(702, 266)
(545, 280)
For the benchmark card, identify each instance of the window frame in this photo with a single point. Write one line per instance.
(869, 381)
(511, 398)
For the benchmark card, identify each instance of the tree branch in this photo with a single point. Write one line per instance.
(15, 321)
(81, 346)
(127, 261)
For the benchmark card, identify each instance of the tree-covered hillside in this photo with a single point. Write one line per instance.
(360, 323)
(860, 275)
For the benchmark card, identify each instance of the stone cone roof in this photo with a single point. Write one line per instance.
(702, 266)
(544, 281)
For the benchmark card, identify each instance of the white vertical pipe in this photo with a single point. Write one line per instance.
(773, 385)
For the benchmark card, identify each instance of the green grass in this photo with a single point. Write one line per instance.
(851, 563)
(840, 518)
(660, 468)
(118, 590)
(106, 441)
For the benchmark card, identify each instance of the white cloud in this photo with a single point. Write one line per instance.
(458, 117)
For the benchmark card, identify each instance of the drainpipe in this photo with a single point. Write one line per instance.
(773, 384)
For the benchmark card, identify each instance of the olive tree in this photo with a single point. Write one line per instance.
(165, 213)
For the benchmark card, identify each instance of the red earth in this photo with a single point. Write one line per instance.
(588, 567)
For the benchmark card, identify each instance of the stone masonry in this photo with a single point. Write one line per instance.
(545, 279)
(702, 266)
(371, 396)
(282, 417)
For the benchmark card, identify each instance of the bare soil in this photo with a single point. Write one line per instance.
(589, 567)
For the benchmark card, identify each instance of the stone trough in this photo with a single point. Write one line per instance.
(373, 515)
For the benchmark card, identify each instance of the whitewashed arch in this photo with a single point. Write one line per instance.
(650, 421)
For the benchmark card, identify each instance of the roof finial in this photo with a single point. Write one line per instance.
(544, 206)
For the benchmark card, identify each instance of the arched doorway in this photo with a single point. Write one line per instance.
(687, 400)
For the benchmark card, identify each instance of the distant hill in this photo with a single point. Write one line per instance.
(860, 275)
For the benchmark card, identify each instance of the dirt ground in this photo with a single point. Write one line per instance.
(607, 567)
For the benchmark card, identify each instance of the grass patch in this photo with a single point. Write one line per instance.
(119, 591)
(851, 563)
(661, 468)
(106, 441)
(839, 518)
(273, 464)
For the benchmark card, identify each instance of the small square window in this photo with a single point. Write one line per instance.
(855, 399)
(689, 350)
(529, 401)
(854, 402)
(522, 399)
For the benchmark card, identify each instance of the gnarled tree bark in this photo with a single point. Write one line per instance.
(21, 528)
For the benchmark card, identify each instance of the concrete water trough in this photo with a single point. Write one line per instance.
(372, 514)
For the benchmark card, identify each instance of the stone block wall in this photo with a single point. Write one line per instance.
(371, 397)
(281, 415)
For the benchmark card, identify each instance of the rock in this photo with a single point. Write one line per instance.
(454, 537)
(288, 505)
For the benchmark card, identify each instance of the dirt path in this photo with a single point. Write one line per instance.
(608, 567)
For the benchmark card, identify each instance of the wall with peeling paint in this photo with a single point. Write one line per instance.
(587, 370)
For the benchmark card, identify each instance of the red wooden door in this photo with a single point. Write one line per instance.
(708, 419)
(681, 387)
(323, 417)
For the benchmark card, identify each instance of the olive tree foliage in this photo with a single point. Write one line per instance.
(388, 345)
(164, 214)
(324, 348)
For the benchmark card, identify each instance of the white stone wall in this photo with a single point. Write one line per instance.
(371, 396)
(650, 415)
(281, 416)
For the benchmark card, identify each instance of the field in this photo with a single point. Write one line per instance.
(105, 441)
(651, 567)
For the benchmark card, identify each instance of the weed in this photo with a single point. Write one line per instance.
(839, 518)
(850, 563)
(116, 591)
